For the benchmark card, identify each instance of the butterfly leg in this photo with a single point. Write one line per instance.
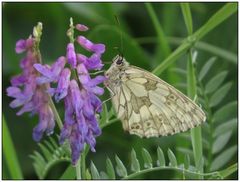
(112, 95)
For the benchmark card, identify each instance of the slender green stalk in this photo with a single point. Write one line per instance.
(78, 169)
(200, 45)
(187, 17)
(162, 41)
(221, 15)
(83, 163)
(10, 154)
(133, 175)
(196, 133)
(55, 112)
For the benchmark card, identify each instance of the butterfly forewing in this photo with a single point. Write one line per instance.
(148, 106)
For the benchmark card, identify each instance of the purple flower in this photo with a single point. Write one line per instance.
(92, 63)
(50, 74)
(71, 55)
(79, 92)
(22, 45)
(88, 45)
(81, 28)
(28, 94)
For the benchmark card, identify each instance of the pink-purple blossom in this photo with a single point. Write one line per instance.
(79, 91)
(28, 94)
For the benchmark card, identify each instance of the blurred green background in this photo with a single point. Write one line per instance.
(140, 48)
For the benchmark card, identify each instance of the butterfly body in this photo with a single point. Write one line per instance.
(148, 106)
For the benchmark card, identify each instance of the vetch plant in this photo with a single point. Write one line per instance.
(74, 85)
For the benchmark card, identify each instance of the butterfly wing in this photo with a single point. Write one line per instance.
(148, 106)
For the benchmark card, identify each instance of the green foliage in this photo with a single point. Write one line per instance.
(186, 168)
(218, 133)
(51, 154)
(9, 153)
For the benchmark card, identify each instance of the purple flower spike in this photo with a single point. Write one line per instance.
(88, 45)
(32, 97)
(81, 27)
(71, 55)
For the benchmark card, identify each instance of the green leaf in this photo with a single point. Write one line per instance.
(221, 15)
(103, 175)
(69, 173)
(110, 169)
(225, 127)
(52, 154)
(215, 82)
(220, 94)
(226, 112)
(187, 17)
(227, 172)
(45, 151)
(135, 166)
(186, 161)
(172, 158)
(146, 158)
(207, 66)
(9, 153)
(161, 158)
(120, 168)
(221, 142)
(223, 158)
(104, 114)
(88, 175)
(94, 171)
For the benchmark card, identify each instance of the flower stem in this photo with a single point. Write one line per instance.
(78, 169)
(83, 155)
(56, 115)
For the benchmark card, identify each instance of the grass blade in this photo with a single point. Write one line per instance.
(221, 15)
(10, 154)
(187, 17)
(162, 41)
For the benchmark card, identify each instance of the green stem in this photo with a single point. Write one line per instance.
(162, 41)
(196, 133)
(83, 161)
(131, 176)
(221, 15)
(9, 153)
(200, 45)
(78, 169)
(55, 112)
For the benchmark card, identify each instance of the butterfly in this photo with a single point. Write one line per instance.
(147, 105)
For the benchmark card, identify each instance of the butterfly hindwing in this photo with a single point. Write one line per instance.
(148, 106)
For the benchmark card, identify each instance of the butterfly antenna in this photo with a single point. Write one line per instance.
(121, 37)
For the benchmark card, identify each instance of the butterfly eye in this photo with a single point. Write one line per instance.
(119, 61)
